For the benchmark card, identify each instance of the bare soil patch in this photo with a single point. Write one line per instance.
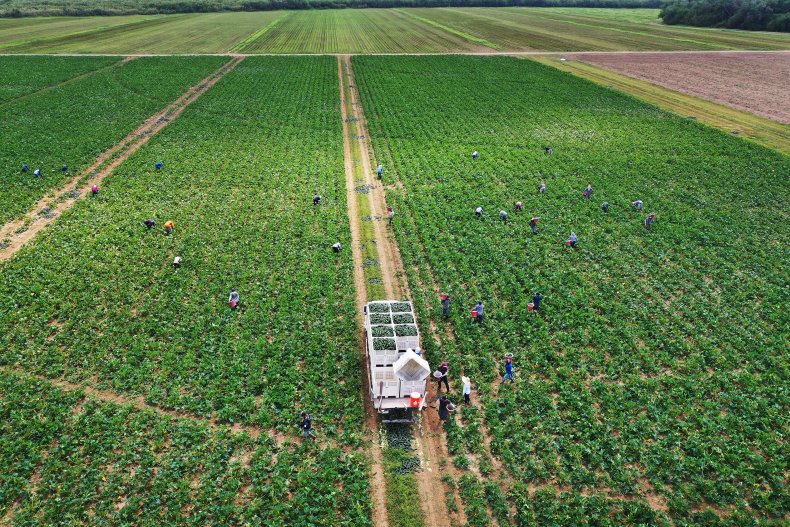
(755, 82)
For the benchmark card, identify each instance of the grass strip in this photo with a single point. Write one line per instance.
(255, 36)
(752, 127)
(467, 36)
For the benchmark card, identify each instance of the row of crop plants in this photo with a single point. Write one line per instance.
(62, 130)
(649, 386)
(71, 460)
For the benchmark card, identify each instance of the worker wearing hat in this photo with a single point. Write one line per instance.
(467, 390)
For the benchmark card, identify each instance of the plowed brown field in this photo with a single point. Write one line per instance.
(755, 82)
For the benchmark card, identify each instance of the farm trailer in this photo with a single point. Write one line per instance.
(398, 374)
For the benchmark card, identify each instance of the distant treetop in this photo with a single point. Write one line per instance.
(762, 15)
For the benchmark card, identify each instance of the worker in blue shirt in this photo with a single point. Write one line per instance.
(508, 371)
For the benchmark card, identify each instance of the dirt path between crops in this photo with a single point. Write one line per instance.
(139, 403)
(378, 485)
(15, 234)
(430, 438)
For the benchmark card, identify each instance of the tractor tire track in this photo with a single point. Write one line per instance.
(15, 234)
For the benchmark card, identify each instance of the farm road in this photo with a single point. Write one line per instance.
(19, 232)
(378, 485)
(430, 440)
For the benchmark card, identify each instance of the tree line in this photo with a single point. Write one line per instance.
(24, 8)
(764, 15)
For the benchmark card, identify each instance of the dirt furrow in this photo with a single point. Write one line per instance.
(379, 494)
(140, 403)
(17, 233)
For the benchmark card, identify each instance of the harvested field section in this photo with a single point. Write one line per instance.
(20, 31)
(357, 31)
(754, 82)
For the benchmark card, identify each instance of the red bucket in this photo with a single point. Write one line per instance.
(415, 400)
(233, 303)
(473, 313)
(531, 306)
(568, 243)
(445, 296)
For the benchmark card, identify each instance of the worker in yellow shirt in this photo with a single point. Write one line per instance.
(169, 226)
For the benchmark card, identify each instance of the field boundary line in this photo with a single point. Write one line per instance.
(249, 39)
(766, 132)
(378, 482)
(123, 60)
(17, 233)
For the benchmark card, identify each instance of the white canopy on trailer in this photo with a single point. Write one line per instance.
(411, 367)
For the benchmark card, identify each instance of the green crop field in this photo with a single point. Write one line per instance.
(109, 310)
(435, 30)
(657, 367)
(651, 388)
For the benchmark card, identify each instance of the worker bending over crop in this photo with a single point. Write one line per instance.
(572, 240)
(176, 262)
(533, 224)
(508, 371)
(638, 205)
(159, 165)
(307, 425)
(95, 190)
(149, 223)
(336, 247)
(503, 215)
(475, 155)
(519, 206)
(390, 214)
(536, 300)
(549, 150)
(587, 191)
(316, 200)
(379, 171)
(445, 305)
(478, 309)
(169, 226)
(234, 299)
(605, 206)
(649, 220)
(444, 370)
(479, 212)
(542, 187)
